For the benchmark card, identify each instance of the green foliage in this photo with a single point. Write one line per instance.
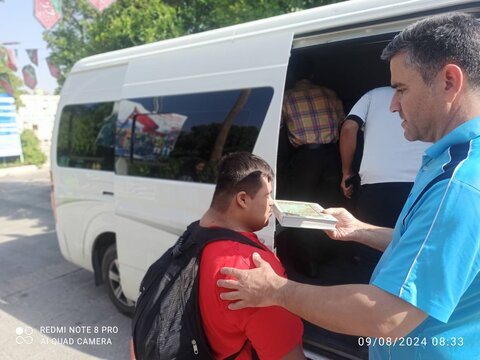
(83, 31)
(15, 82)
(201, 15)
(32, 154)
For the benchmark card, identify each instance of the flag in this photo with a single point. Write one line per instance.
(3, 55)
(54, 70)
(5, 84)
(33, 55)
(29, 77)
(100, 4)
(48, 12)
(7, 57)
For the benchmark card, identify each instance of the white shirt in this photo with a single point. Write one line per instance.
(387, 155)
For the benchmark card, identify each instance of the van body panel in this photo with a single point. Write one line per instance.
(81, 202)
(161, 209)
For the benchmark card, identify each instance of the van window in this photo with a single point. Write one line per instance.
(86, 136)
(182, 137)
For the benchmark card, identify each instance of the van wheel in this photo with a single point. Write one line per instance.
(111, 277)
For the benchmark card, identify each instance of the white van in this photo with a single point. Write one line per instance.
(138, 132)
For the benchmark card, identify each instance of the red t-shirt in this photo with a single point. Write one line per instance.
(273, 331)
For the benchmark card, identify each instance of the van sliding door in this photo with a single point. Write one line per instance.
(186, 103)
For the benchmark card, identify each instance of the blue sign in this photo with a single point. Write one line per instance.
(10, 144)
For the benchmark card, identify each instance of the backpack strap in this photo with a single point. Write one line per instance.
(204, 236)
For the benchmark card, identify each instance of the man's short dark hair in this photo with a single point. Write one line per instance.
(431, 43)
(241, 171)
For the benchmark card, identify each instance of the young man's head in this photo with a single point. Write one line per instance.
(431, 63)
(244, 189)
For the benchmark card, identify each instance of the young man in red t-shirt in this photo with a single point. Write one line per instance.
(242, 202)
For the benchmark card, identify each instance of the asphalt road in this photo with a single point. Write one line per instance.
(49, 308)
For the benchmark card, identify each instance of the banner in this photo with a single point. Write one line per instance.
(33, 55)
(100, 4)
(5, 86)
(54, 70)
(7, 57)
(29, 77)
(48, 12)
(10, 144)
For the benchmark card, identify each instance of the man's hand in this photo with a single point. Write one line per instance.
(252, 288)
(346, 226)
(347, 190)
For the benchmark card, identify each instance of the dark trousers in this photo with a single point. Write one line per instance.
(381, 204)
(315, 175)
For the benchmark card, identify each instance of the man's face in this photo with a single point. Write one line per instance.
(416, 102)
(260, 206)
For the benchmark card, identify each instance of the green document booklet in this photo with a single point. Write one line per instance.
(302, 215)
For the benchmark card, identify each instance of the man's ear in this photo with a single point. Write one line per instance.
(241, 199)
(452, 80)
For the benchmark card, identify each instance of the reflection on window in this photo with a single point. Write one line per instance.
(86, 136)
(182, 137)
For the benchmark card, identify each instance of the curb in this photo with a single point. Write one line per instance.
(20, 170)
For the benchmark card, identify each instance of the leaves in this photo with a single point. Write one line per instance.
(83, 31)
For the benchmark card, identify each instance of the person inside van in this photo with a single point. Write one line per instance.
(389, 163)
(242, 202)
(423, 300)
(312, 115)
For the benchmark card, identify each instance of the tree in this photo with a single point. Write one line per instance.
(202, 15)
(84, 31)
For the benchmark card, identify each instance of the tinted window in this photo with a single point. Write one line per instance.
(182, 137)
(86, 136)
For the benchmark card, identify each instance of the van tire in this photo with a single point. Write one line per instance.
(111, 277)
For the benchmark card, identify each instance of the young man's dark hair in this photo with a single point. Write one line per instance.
(240, 171)
(432, 43)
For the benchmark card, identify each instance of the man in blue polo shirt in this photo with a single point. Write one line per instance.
(423, 301)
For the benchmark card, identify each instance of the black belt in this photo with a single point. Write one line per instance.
(316, 146)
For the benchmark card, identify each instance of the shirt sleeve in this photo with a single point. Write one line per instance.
(273, 331)
(438, 255)
(360, 109)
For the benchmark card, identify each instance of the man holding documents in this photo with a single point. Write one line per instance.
(423, 300)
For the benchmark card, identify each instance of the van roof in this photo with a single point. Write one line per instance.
(334, 16)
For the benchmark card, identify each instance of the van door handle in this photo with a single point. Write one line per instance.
(107, 193)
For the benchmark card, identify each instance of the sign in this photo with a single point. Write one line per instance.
(48, 12)
(100, 4)
(10, 144)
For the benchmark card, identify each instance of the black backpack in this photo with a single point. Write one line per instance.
(167, 324)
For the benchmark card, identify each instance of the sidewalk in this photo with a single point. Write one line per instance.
(22, 170)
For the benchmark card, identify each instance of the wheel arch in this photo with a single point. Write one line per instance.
(100, 245)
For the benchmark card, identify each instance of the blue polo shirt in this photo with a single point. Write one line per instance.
(433, 261)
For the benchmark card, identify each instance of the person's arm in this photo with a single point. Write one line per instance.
(132, 351)
(362, 310)
(349, 228)
(348, 145)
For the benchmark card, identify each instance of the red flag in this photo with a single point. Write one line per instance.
(33, 55)
(7, 57)
(5, 84)
(48, 12)
(100, 4)
(29, 77)
(54, 70)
